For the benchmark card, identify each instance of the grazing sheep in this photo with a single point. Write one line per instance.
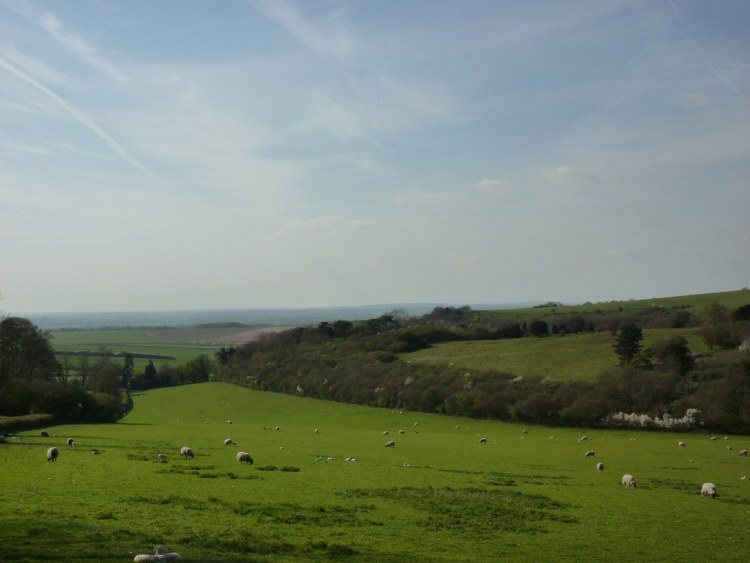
(401, 432)
(161, 553)
(743, 453)
(168, 555)
(229, 422)
(161, 457)
(681, 444)
(229, 442)
(708, 490)
(71, 442)
(712, 438)
(584, 439)
(316, 431)
(482, 440)
(186, 452)
(52, 454)
(44, 434)
(244, 457)
(95, 452)
(277, 429)
(628, 481)
(385, 433)
(600, 467)
(390, 444)
(590, 453)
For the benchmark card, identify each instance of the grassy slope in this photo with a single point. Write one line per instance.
(519, 497)
(575, 356)
(692, 303)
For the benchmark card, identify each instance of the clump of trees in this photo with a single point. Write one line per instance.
(33, 381)
(86, 387)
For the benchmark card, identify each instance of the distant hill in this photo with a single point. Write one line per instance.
(244, 317)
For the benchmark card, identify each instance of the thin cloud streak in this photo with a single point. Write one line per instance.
(74, 113)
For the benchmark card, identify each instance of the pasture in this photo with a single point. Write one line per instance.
(182, 344)
(567, 358)
(438, 495)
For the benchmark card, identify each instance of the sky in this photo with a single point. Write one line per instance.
(186, 154)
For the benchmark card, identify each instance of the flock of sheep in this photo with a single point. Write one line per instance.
(707, 489)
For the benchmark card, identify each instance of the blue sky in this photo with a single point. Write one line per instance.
(252, 153)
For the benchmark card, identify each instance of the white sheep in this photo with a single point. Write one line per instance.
(482, 440)
(681, 444)
(44, 434)
(401, 432)
(71, 442)
(385, 433)
(628, 481)
(244, 457)
(590, 453)
(708, 490)
(186, 452)
(52, 454)
(743, 453)
(161, 553)
(169, 555)
(584, 439)
(161, 457)
(229, 442)
(229, 422)
(600, 467)
(390, 444)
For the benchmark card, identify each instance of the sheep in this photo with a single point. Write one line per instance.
(584, 439)
(168, 555)
(708, 490)
(712, 438)
(628, 481)
(44, 434)
(316, 431)
(401, 432)
(743, 453)
(385, 433)
(71, 442)
(229, 422)
(390, 444)
(52, 454)
(186, 452)
(161, 553)
(482, 440)
(681, 444)
(244, 457)
(590, 453)
(600, 467)
(161, 457)
(229, 442)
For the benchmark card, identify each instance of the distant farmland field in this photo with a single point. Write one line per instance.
(182, 344)
(324, 487)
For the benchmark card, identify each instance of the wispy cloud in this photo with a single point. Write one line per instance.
(72, 112)
(330, 221)
(324, 38)
(73, 43)
(702, 55)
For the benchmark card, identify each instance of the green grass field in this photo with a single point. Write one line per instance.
(567, 358)
(438, 495)
(183, 344)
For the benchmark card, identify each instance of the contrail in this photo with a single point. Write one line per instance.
(77, 115)
(702, 56)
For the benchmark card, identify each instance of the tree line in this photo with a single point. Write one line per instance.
(360, 363)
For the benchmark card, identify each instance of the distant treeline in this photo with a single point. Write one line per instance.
(359, 363)
(108, 354)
